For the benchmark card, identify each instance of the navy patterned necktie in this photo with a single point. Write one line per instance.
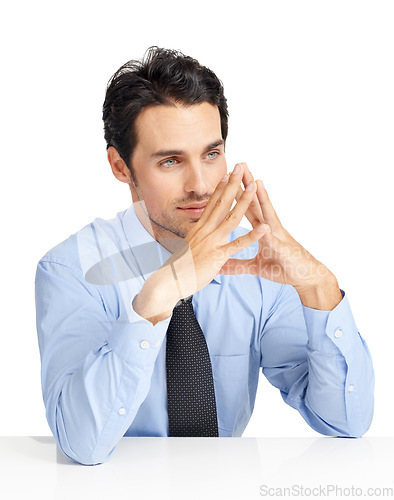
(190, 390)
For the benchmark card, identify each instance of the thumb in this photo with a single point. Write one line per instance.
(235, 266)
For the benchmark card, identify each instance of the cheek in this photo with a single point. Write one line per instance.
(222, 169)
(220, 174)
(161, 201)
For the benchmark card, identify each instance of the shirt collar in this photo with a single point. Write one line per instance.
(137, 235)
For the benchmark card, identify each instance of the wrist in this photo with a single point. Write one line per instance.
(158, 296)
(324, 295)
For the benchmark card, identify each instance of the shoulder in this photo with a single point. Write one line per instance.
(86, 240)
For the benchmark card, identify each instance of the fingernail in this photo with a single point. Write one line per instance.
(224, 178)
(236, 169)
(261, 228)
(249, 187)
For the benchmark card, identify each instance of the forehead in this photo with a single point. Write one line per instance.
(177, 126)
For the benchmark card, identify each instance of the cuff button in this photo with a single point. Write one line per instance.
(338, 334)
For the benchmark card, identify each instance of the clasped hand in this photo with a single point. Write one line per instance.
(206, 251)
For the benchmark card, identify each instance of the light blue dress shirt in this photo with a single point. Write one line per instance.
(103, 366)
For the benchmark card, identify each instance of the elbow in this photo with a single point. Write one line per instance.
(350, 434)
(353, 425)
(359, 424)
(83, 457)
(76, 448)
(357, 427)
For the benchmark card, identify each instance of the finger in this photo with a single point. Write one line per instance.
(232, 218)
(212, 200)
(237, 266)
(220, 204)
(248, 266)
(254, 213)
(274, 246)
(267, 209)
(268, 269)
(263, 264)
(245, 240)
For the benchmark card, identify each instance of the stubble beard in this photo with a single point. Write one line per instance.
(168, 228)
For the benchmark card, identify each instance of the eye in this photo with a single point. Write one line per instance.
(168, 163)
(216, 153)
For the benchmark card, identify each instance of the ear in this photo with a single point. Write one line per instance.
(118, 166)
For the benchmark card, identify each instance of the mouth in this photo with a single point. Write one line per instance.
(198, 209)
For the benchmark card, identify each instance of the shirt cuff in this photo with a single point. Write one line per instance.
(137, 340)
(333, 332)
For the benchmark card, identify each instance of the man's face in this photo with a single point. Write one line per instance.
(178, 161)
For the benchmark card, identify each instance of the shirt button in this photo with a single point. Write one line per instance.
(144, 344)
(338, 333)
(121, 411)
(351, 388)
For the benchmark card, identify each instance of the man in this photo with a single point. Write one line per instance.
(157, 322)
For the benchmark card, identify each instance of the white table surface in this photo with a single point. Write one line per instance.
(200, 468)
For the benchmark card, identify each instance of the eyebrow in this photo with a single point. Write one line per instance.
(177, 152)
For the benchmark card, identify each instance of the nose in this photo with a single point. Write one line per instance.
(196, 179)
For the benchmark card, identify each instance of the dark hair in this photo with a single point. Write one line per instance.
(163, 76)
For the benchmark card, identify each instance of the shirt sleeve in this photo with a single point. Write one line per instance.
(95, 371)
(320, 363)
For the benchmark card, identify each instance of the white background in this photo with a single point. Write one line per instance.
(310, 92)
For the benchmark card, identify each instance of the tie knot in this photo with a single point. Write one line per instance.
(186, 300)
